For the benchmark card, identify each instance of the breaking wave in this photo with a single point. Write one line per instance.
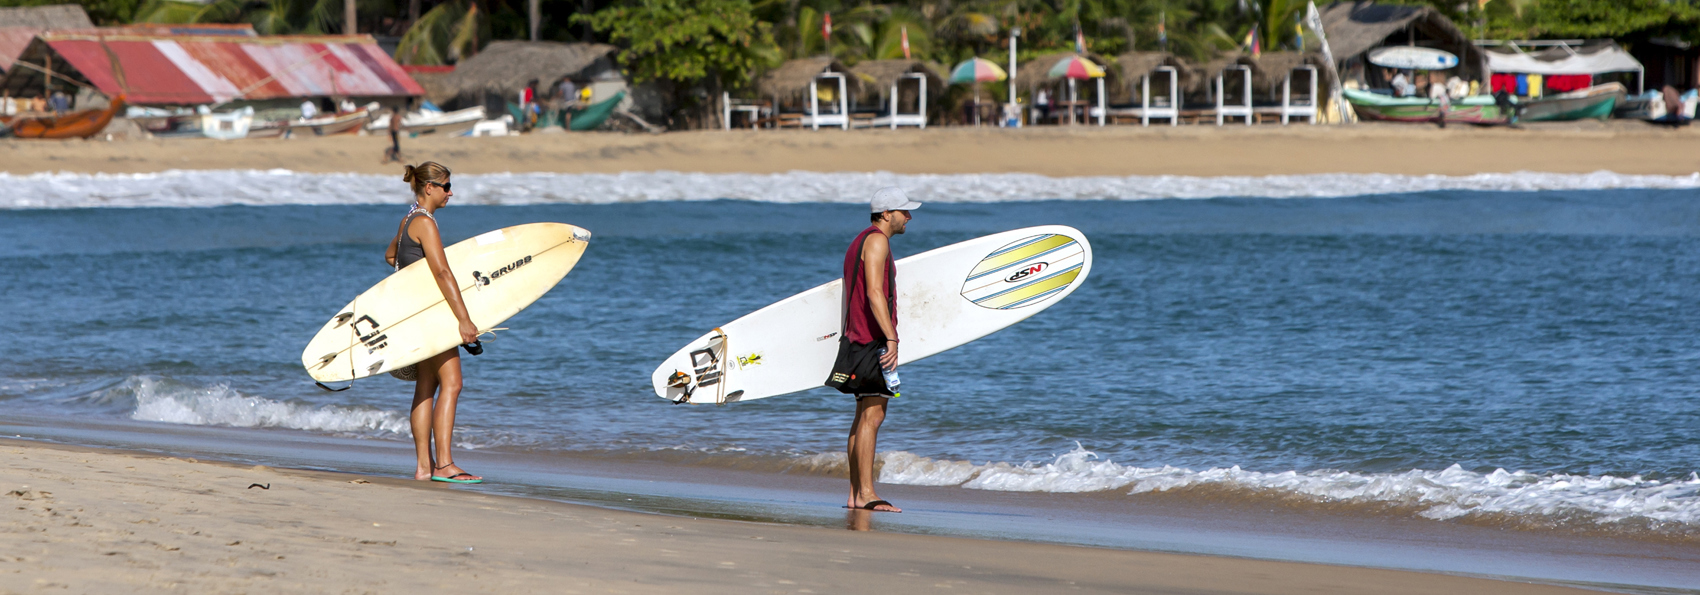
(1529, 499)
(167, 401)
(181, 188)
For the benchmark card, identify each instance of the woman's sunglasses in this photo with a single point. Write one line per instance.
(445, 186)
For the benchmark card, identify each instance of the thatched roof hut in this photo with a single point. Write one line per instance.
(1355, 28)
(791, 80)
(18, 26)
(1204, 75)
(877, 76)
(1134, 65)
(504, 67)
(1274, 66)
(57, 16)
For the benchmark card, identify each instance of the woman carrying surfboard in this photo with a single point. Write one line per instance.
(436, 389)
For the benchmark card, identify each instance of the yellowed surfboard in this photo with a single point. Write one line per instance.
(404, 319)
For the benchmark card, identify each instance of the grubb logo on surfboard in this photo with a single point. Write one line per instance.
(482, 280)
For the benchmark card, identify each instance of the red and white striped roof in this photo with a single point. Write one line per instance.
(192, 70)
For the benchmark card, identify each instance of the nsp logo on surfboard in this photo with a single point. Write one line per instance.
(1024, 273)
(483, 280)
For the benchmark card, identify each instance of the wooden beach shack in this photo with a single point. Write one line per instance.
(810, 92)
(1152, 86)
(902, 90)
(495, 77)
(1035, 74)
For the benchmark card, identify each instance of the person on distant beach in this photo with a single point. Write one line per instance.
(870, 281)
(437, 385)
(1437, 93)
(60, 102)
(393, 154)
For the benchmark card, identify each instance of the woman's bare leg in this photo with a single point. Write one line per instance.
(443, 414)
(419, 417)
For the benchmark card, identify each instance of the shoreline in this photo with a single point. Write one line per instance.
(1575, 147)
(122, 519)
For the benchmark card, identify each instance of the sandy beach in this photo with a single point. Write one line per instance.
(93, 521)
(1622, 147)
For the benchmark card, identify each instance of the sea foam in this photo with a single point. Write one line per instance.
(1449, 493)
(183, 188)
(167, 401)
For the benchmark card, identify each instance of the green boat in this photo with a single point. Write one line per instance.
(1475, 109)
(1596, 102)
(589, 117)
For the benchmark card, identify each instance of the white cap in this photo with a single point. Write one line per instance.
(892, 198)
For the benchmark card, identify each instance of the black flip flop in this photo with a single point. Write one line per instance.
(871, 506)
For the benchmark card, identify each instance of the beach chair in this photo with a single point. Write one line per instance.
(1165, 107)
(752, 111)
(1242, 109)
(893, 116)
(815, 119)
(1302, 107)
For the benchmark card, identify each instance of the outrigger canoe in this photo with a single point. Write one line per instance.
(81, 124)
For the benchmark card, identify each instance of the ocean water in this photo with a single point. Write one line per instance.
(1523, 356)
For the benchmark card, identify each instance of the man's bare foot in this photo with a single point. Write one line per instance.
(422, 474)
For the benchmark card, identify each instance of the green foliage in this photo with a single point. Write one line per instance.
(687, 40)
(1611, 18)
(447, 33)
(104, 13)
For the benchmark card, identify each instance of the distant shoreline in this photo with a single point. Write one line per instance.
(1577, 147)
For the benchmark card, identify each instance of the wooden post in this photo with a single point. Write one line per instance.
(349, 26)
(536, 17)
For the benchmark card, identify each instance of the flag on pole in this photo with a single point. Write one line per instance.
(826, 30)
(1162, 29)
(1079, 40)
(1300, 31)
(1251, 42)
(906, 43)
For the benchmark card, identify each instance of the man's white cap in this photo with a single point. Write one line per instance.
(892, 198)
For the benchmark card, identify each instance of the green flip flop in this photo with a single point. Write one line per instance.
(454, 478)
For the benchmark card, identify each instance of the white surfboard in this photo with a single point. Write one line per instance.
(945, 298)
(404, 319)
(1413, 58)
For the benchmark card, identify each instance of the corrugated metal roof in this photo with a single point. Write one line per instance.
(165, 69)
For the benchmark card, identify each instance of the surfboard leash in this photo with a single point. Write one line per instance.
(353, 336)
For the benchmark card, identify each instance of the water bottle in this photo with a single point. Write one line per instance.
(891, 379)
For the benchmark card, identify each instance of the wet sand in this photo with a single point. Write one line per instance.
(1579, 147)
(88, 520)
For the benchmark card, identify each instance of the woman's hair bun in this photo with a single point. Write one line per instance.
(407, 174)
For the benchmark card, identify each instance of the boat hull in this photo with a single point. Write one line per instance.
(1595, 102)
(81, 124)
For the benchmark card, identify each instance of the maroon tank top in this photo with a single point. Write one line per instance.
(860, 326)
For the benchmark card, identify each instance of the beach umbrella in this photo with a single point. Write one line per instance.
(1076, 67)
(977, 70)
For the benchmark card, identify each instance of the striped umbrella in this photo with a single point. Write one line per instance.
(1076, 67)
(977, 70)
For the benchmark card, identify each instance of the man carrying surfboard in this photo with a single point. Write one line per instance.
(870, 322)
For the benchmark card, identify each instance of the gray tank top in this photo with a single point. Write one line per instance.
(408, 251)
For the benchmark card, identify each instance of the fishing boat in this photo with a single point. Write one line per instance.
(333, 123)
(432, 122)
(1596, 102)
(227, 125)
(81, 124)
(1475, 109)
